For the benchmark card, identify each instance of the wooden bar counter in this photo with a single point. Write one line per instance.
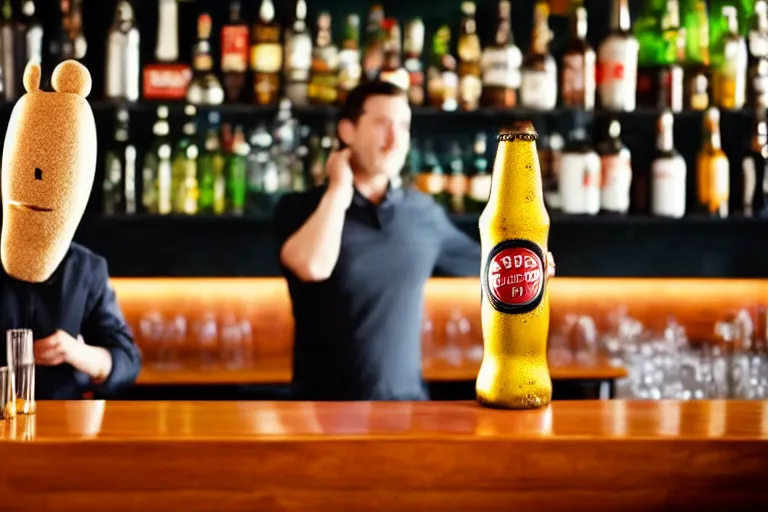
(387, 456)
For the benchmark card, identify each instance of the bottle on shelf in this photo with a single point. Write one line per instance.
(167, 78)
(266, 55)
(479, 187)
(442, 80)
(323, 85)
(204, 88)
(501, 63)
(211, 179)
(392, 69)
(757, 57)
(123, 68)
(470, 53)
(616, 171)
(538, 87)
(713, 171)
(617, 62)
(156, 178)
(234, 53)
(579, 172)
(350, 70)
(298, 57)
(413, 46)
(578, 76)
(119, 184)
(754, 176)
(373, 51)
(696, 75)
(184, 185)
(236, 173)
(668, 172)
(730, 80)
(456, 183)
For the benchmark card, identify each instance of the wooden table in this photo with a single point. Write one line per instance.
(447, 456)
(277, 370)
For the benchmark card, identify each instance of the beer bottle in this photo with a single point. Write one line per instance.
(514, 230)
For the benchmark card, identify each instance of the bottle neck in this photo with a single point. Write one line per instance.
(516, 174)
(620, 20)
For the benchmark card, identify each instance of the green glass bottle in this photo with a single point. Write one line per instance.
(237, 163)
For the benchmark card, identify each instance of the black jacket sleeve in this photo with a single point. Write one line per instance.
(105, 326)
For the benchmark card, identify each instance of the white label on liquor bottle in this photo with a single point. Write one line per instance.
(538, 88)
(748, 168)
(480, 188)
(617, 73)
(617, 178)
(470, 88)
(668, 187)
(571, 182)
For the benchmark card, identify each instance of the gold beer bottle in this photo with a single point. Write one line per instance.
(514, 233)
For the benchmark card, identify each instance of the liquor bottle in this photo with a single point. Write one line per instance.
(514, 235)
(116, 162)
(662, 52)
(211, 179)
(713, 172)
(323, 85)
(730, 80)
(236, 173)
(538, 88)
(470, 53)
(456, 182)
(697, 57)
(184, 184)
(479, 188)
(122, 67)
(298, 57)
(668, 172)
(755, 178)
(235, 51)
(442, 80)
(204, 88)
(258, 186)
(579, 74)
(617, 62)
(501, 63)
(266, 55)
(616, 171)
(153, 184)
(373, 52)
(392, 69)
(350, 69)
(413, 46)
(745, 10)
(550, 149)
(579, 177)
(431, 180)
(167, 78)
(757, 58)
(73, 24)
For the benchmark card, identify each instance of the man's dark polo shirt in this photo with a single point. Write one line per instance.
(358, 334)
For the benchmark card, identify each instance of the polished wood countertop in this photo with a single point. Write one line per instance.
(386, 456)
(277, 370)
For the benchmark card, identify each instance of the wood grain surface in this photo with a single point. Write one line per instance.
(447, 456)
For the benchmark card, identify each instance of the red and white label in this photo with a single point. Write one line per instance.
(515, 276)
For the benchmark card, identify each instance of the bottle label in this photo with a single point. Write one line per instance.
(514, 276)
(616, 181)
(234, 48)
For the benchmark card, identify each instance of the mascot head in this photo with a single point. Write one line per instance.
(49, 162)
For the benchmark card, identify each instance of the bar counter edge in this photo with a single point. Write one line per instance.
(360, 456)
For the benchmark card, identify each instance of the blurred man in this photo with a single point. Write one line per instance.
(357, 252)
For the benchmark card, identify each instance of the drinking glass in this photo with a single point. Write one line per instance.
(21, 360)
(7, 394)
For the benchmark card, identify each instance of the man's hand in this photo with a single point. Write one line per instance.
(340, 177)
(57, 348)
(60, 347)
(550, 264)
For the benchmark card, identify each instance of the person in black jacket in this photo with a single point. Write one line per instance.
(58, 289)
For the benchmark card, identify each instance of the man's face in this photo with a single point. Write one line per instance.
(382, 136)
